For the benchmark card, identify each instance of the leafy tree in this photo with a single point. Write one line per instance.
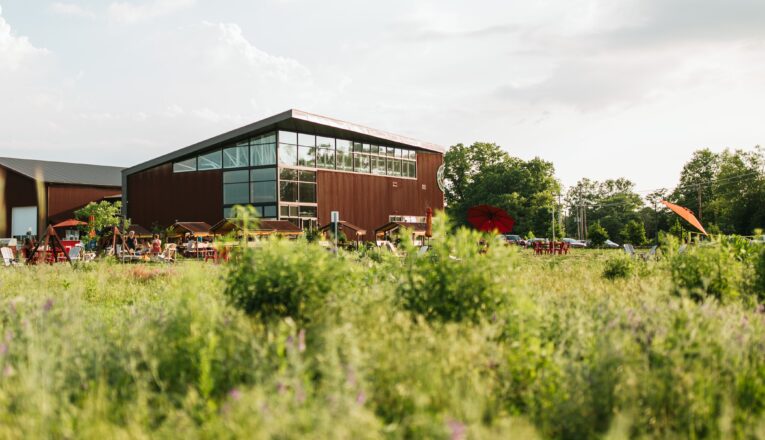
(611, 203)
(484, 174)
(634, 233)
(104, 214)
(597, 234)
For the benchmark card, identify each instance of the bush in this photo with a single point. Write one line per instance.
(618, 267)
(285, 279)
(634, 232)
(455, 281)
(597, 234)
(708, 270)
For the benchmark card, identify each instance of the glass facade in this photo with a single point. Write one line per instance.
(275, 172)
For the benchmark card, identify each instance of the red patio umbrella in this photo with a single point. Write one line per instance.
(69, 224)
(489, 219)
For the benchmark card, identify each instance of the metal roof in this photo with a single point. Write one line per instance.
(64, 172)
(294, 120)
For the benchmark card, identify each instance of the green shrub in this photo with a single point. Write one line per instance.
(283, 278)
(634, 233)
(618, 267)
(455, 281)
(707, 270)
(597, 234)
(759, 275)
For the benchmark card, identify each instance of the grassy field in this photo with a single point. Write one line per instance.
(293, 342)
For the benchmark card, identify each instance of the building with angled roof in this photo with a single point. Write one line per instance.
(35, 193)
(294, 166)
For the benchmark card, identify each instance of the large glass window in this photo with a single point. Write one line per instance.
(306, 140)
(361, 163)
(262, 174)
(307, 192)
(236, 193)
(263, 192)
(394, 167)
(240, 176)
(211, 161)
(288, 155)
(288, 191)
(409, 169)
(236, 157)
(378, 165)
(263, 154)
(185, 166)
(325, 142)
(297, 186)
(307, 157)
(287, 137)
(325, 158)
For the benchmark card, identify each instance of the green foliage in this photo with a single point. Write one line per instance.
(618, 267)
(455, 281)
(597, 234)
(634, 233)
(483, 173)
(284, 279)
(104, 214)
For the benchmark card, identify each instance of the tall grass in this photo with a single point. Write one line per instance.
(291, 341)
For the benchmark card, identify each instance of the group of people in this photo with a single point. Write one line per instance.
(138, 247)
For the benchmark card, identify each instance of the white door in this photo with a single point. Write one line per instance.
(23, 219)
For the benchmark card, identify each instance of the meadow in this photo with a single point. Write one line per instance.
(291, 341)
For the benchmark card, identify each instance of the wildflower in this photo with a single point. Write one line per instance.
(280, 388)
(234, 394)
(457, 430)
(301, 341)
(361, 398)
(48, 304)
(8, 371)
(3, 348)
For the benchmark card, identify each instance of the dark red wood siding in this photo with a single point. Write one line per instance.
(63, 200)
(18, 191)
(368, 201)
(158, 196)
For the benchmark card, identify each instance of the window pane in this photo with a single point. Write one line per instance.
(227, 212)
(288, 191)
(269, 211)
(361, 163)
(358, 146)
(287, 137)
(287, 154)
(236, 157)
(306, 140)
(261, 192)
(288, 174)
(412, 154)
(378, 165)
(307, 192)
(263, 155)
(308, 211)
(258, 211)
(394, 167)
(374, 149)
(284, 211)
(390, 151)
(236, 176)
(262, 174)
(185, 165)
(294, 211)
(211, 161)
(344, 161)
(269, 138)
(325, 158)
(325, 142)
(307, 157)
(236, 193)
(343, 145)
(308, 176)
(409, 169)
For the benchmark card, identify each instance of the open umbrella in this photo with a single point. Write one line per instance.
(489, 219)
(686, 214)
(69, 224)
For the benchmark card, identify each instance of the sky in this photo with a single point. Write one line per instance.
(602, 88)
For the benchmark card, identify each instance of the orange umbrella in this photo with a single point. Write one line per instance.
(686, 214)
(69, 224)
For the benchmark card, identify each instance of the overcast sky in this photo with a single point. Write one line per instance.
(602, 88)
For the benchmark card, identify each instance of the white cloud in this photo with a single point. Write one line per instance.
(129, 12)
(72, 10)
(15, 50)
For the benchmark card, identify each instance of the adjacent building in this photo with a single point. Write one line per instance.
(36, 193)
(294, 166)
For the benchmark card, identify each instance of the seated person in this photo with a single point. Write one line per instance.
(131, 242)
(156, 245)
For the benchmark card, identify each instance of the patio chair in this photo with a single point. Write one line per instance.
(422, 251)
(8, 258)
(168, 256)
(629, 249)
(75, 253)
(650, 254)
(682, 249)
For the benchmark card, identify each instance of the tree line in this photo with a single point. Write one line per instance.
(725, 190)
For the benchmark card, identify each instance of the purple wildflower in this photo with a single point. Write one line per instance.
(48, 304)
(457, 430)
(234, 394)
(361, 398)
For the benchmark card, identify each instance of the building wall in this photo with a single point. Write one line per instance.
(159, 196)
(367, 201)
(63, 200)
(16, 190)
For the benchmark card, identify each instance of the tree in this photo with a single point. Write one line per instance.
(104, 214)
(634, 233)
(597, 234)
(484, 174)
(611, 203)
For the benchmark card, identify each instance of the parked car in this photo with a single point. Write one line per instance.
(574, 243)
(611, 245)
(515, 239)
(530, 243)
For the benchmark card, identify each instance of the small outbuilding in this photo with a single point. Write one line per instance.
(351, 231)
(263, 228)
(197, 229)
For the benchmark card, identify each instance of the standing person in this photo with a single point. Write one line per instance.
(131, 242)
(156, 245)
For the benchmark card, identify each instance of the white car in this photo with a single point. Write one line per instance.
(610, 244)
(573, 243)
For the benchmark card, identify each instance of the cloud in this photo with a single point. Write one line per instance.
(71, 10)
(129, 12)
(15, 50)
